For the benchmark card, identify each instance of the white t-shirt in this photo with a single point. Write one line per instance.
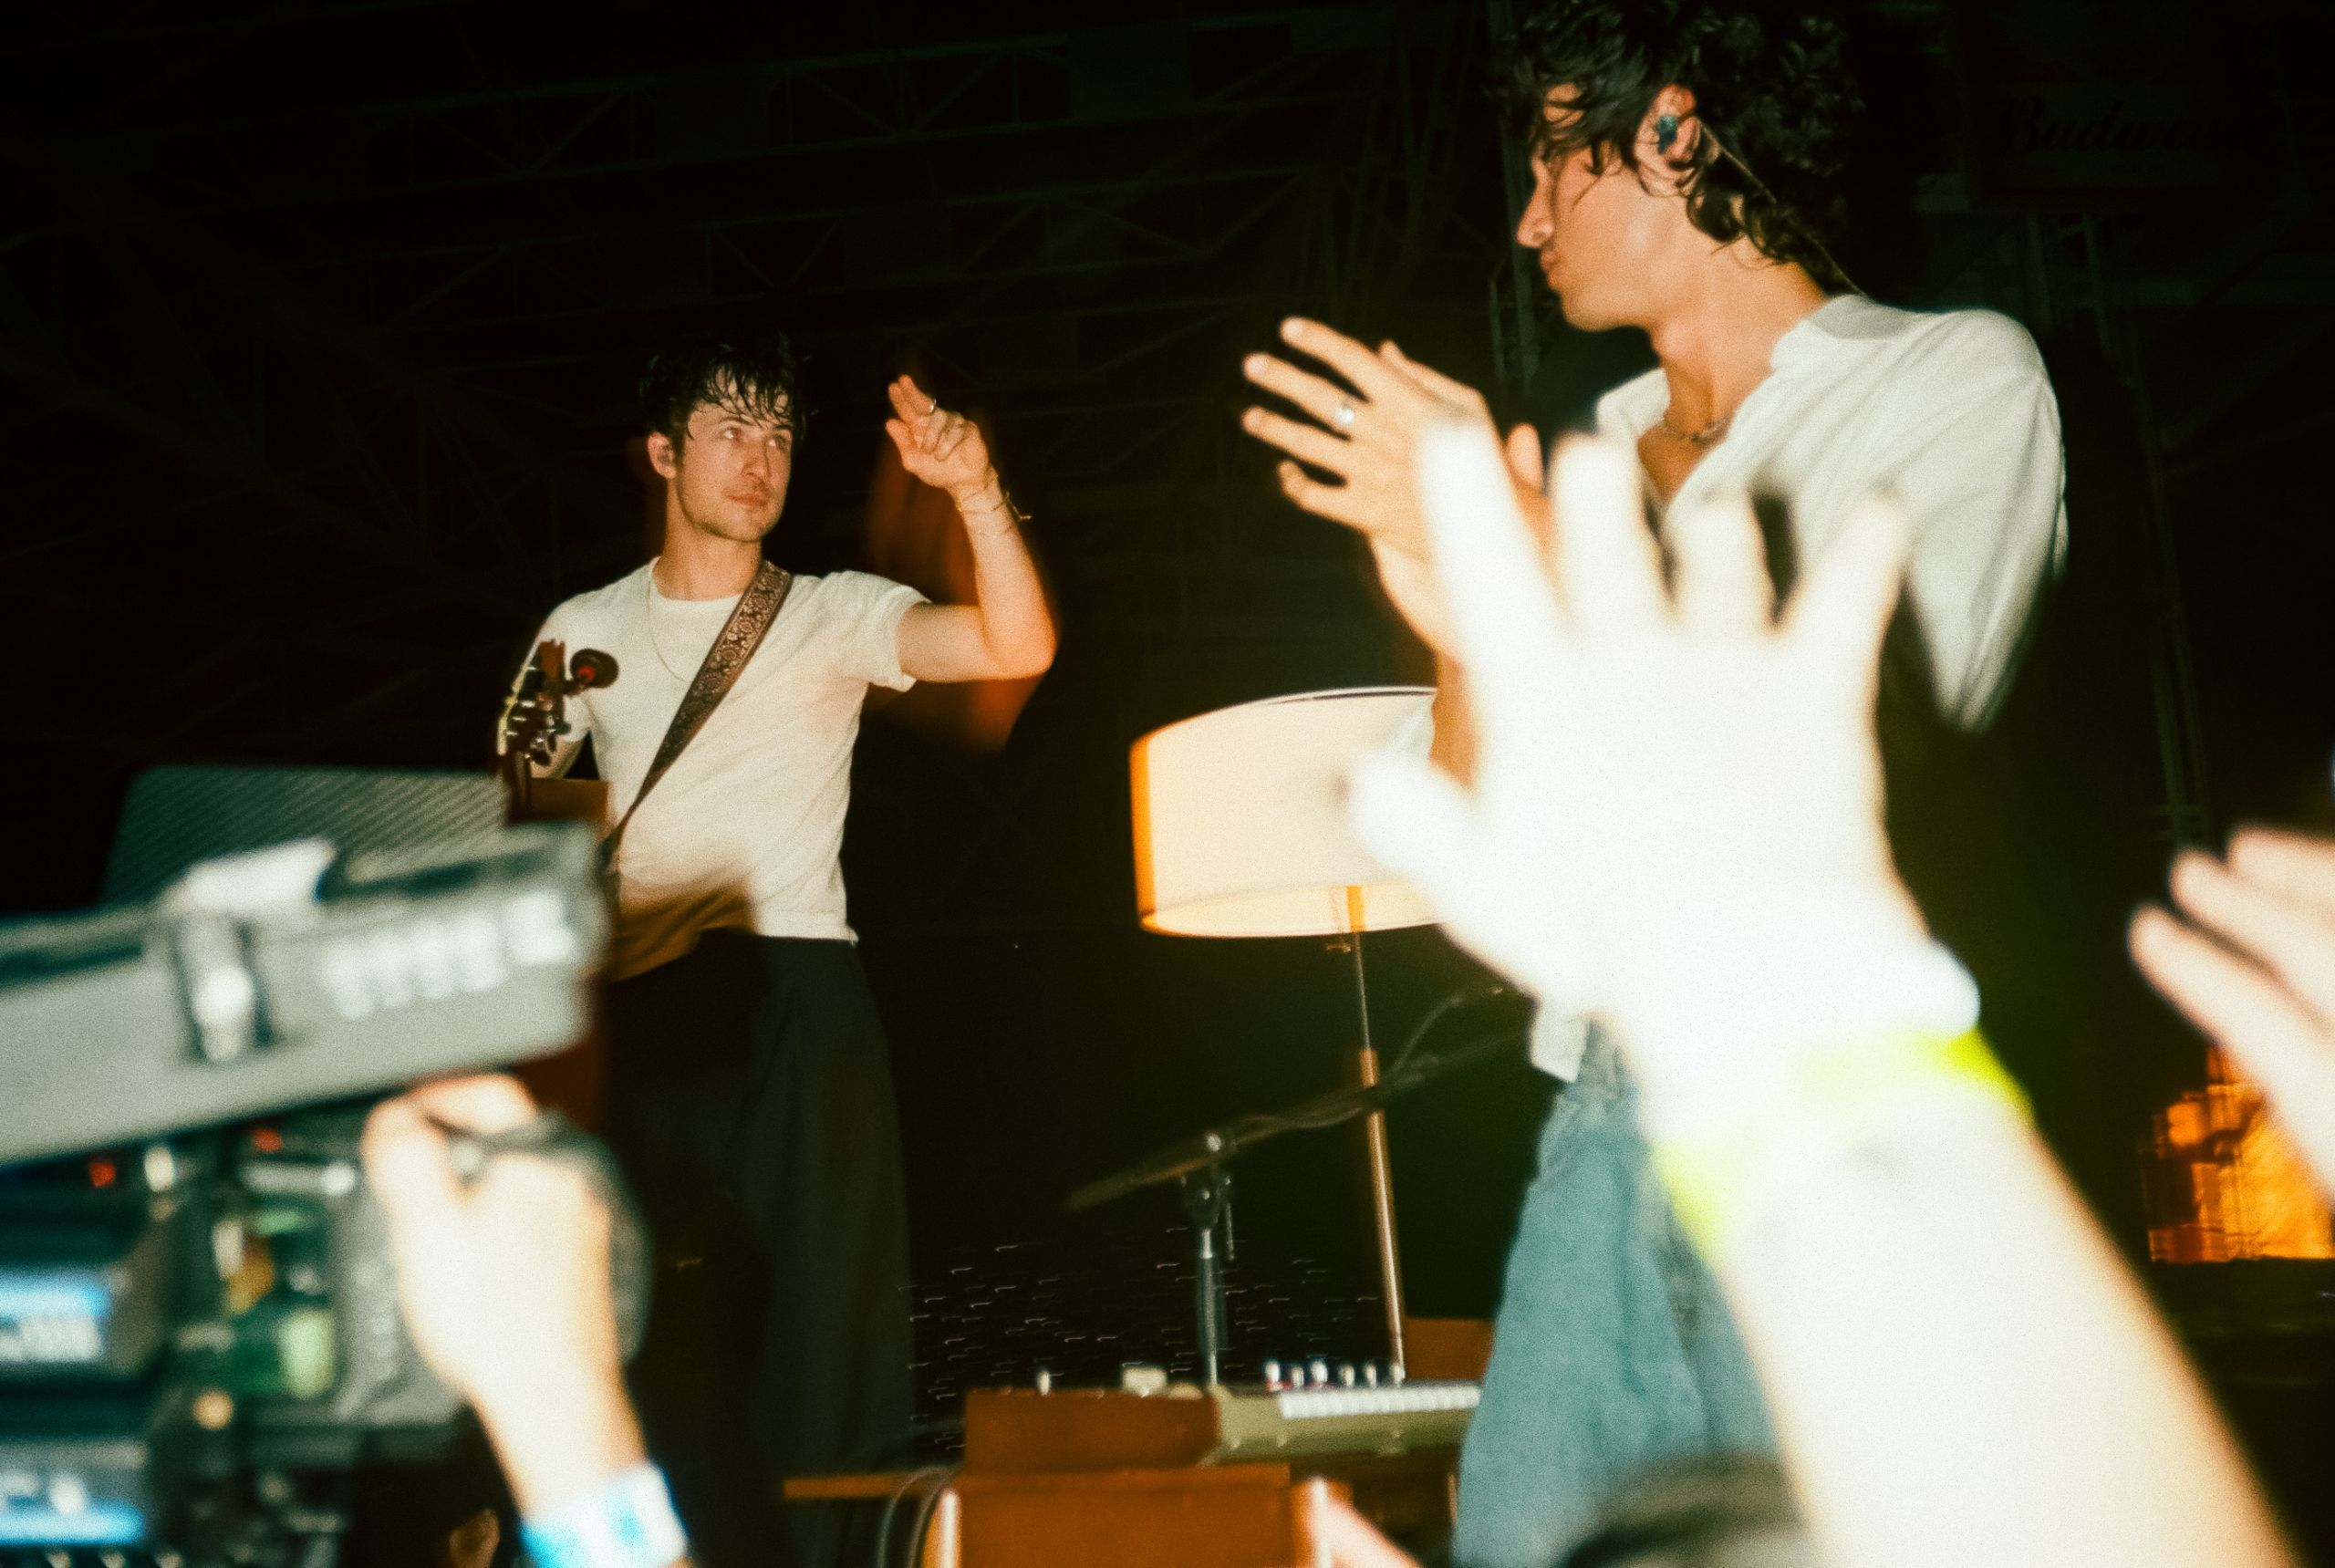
(1953, 412)
(746, 827)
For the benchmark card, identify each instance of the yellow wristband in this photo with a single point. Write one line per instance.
(1841, 1095)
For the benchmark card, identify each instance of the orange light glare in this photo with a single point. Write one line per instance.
(2226, 1182)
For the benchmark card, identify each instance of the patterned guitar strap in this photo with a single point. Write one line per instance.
(741, 635)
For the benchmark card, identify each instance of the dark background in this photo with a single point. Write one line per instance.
(317, 331)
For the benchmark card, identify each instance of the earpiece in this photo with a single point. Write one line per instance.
(1665, 131)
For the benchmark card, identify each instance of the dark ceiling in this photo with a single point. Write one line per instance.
(319, 326)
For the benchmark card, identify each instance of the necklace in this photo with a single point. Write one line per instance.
(653, 646)
(1703, 437)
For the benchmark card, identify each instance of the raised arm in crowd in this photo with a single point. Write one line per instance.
(1675, 825)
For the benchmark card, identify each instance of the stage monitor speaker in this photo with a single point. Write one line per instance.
(177, 816)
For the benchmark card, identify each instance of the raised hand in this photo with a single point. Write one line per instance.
(1370, 440)
(504, 1286)
(2253, 965)
(944, 450)
(1675, 792)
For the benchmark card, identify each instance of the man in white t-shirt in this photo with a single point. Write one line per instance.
(750, 1094)
(1682, 158)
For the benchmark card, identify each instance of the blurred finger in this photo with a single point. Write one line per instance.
(1720, 575)
(1417, 820)
(1525, 459)
(1317, 397)
(1606, 560)
(1302, 442)
(1412, 818)
(2300, 865)
(1334, 1536)
(2250, 1015)
(1842, 609)
(405, 1159)
(1335, 502)
(1502, 612)
(487, 1103)
(2292, 939)
(1433, 383)
(1342, 354)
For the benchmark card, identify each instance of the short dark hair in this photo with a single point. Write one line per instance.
(757, 376)
(1773, 85)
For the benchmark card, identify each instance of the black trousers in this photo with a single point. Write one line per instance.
(749, 1103)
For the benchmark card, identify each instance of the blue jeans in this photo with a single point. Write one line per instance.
(1613, 1347)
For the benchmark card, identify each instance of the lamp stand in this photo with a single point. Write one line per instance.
(1373, 1137)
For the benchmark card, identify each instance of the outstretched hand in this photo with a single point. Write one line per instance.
(1370, 440)
(944, 450)
(1675, 792)
(2250, 958)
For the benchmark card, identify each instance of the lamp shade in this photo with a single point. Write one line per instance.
(1241, 824)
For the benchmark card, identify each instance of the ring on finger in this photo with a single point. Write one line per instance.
(1344, 414)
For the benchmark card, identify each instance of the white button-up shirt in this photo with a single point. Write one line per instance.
(1951, 411)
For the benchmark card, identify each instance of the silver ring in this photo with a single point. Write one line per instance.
(1345, 415)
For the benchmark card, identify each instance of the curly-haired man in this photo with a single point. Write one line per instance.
(1686, 156)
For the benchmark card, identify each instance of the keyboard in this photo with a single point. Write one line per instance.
(1258, 1426)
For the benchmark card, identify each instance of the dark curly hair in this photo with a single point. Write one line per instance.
(1772, 87)
(759, 378)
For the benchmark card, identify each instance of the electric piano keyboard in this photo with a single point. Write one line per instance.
(1391, 1420)
(1022, 1431)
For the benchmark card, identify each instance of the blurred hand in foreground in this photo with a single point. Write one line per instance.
(2250, 958)
(1339, 1537)
(505, 1283)
(1675, 818)
(1370, 442)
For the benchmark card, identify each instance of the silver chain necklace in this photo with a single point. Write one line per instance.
(1703, 437)
(653, 646)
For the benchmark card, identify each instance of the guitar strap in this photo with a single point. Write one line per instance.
(742, 633)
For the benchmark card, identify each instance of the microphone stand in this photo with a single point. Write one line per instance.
(1208, 1198)
(1197, 1164)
